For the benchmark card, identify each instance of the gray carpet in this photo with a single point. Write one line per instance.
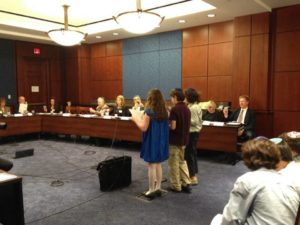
(79, 201)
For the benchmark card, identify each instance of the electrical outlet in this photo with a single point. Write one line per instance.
(9, 96)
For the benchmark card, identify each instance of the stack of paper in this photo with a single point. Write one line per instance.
(213, 123)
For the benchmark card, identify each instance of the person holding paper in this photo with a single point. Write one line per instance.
(101, 109)
(155, 126)
(23, 106)
(244, 116)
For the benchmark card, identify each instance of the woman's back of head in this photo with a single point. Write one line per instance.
(156, 103)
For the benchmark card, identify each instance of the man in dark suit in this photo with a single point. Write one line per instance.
(245, 116)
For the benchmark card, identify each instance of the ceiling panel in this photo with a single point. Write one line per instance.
(47, 15)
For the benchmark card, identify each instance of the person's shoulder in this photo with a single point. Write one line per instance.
(195, 106)
(258, 177)
(292, 166)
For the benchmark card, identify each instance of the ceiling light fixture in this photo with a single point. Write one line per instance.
(181, 21)
(211, 15)
(64, 36)
(139, 21)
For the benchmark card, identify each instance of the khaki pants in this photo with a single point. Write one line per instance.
(178, 170)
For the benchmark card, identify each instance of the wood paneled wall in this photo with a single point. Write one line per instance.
(43, 70)
(92, 71)
(207, 60)
(251, 60)
(106, 70)
(251, 73)
(225, 60)
(77, 74)
(286, 76)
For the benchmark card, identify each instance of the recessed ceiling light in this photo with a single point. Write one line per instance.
(181, 21)
(211, 15)
(98, 37)
(115, 34)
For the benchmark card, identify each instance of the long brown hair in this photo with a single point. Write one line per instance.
(156, 102)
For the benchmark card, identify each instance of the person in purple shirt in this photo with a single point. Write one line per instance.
(180, 119)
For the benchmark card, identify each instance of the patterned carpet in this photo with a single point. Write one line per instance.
(61, 187)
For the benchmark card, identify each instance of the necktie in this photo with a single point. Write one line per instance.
(240, 118)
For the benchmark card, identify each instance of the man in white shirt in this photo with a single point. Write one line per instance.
(23, 106)
(245, 116)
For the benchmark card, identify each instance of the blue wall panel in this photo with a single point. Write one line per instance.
(131, 46)
(152, 62)
(170, 72)
(170, 40)
(8, 71)
(131, 73)
(149, 43)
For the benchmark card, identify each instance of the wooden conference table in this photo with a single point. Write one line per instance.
(216, 138)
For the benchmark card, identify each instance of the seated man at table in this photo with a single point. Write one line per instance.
(245, 116)
(4, 110)
(23, 106)
(211, 114)
(101, 109)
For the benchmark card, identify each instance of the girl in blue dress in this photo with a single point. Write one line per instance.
(155, 127)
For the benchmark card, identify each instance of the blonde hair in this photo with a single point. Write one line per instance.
(137, 97)
(212, 103)
(121, 97)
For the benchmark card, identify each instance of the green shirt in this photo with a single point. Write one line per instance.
(196, 117)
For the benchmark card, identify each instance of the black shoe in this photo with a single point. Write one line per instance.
(150, 195)
(186, 189)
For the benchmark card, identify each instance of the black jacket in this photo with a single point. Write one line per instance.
(250, 119)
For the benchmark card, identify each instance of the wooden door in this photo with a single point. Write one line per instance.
(36, 82)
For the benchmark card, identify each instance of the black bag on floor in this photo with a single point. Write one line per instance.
(114, 173)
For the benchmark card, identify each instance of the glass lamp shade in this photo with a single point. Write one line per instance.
(66, 37)
(138, 22)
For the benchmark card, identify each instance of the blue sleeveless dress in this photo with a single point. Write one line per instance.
(155, 145)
